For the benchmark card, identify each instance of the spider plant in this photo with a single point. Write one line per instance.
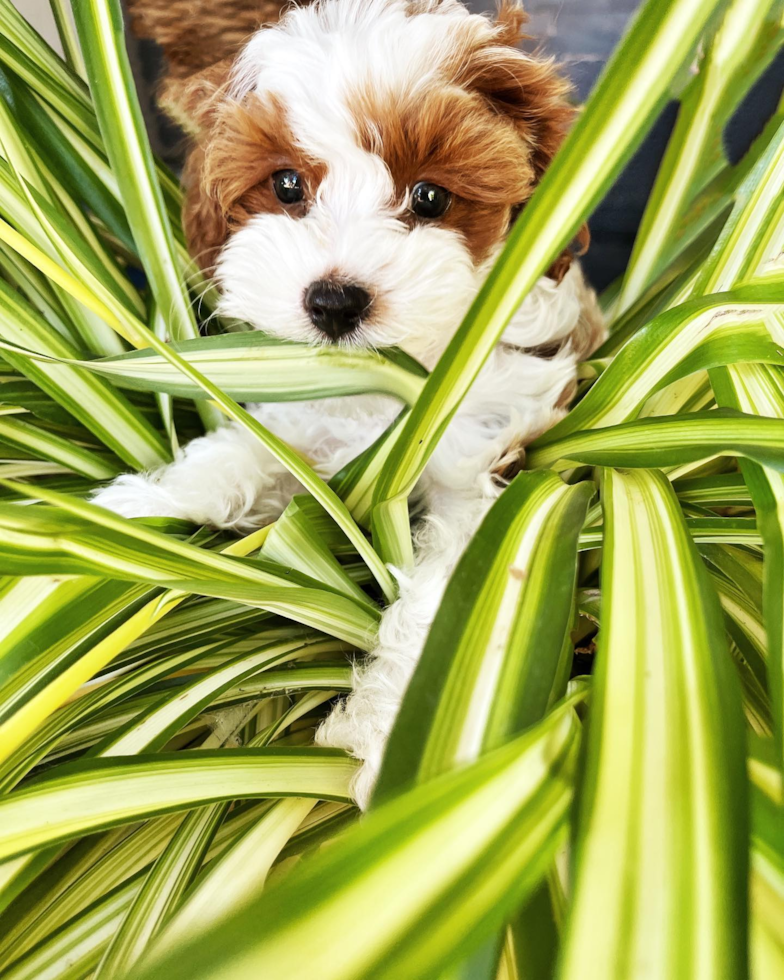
(164, 809)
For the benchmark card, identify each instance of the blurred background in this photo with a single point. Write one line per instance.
(581, 34)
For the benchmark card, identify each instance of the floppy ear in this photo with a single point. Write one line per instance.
(529, 91)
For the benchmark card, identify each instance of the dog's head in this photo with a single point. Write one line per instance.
(358, 166)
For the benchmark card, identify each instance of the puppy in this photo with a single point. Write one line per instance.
(354, 172)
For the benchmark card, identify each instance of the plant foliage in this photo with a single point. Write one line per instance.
(163, 806)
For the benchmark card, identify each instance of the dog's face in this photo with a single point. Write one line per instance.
(359, 165)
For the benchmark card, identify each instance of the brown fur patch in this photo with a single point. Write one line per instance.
(228, 176)
(448, 137)
(527, 90)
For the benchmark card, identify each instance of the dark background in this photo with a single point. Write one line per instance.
(581, 34)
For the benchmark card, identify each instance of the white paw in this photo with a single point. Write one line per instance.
(225, 479)
(136, 495)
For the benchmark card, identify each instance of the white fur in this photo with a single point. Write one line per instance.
(422, 281)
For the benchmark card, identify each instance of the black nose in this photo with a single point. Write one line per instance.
(336, 308)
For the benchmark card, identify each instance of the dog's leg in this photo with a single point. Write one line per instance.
(362, 723)
(225, 479)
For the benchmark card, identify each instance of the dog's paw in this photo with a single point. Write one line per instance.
(134, 495)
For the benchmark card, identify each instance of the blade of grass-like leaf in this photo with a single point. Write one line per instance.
(762, 390)
(723, 78)
(749, 648)
(79, 166)
(122, 549)
(90, 868)
(750, 248)
(101, 33)
(670, 441)
(30, 57)
(746, 324)
(100, 793)
(16, 874)
(156, 726)
(146, 560)
(201, 621)
(254, 367)
(724, 490)
(496, 658)
(75, 950)
(71, 537)
(82, 322)
(621, 108)
(37, 291)
(413, 862)
(741, 567)
(492, 662)
(696, 236)
(94, 265)
(23, 50)
(661, 835)
(61, 220)
(93, 401)
(294, 541)
(100, 867)
(63, 720)
(48, 626)
(767, 868)
(165, 402)
(703, 530)
(33, 147)
(293, 679)
(752, 236)
(38, 442)
(61, 11)
(162, 891)
(237, 878)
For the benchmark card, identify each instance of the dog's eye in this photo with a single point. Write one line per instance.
(429, 200)
(288, 186)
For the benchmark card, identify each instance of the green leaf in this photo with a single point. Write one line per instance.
(162, 890)
(723, 79)
(46, 445)
(93, 401)
(236, 879)
(85, 539)
(661, 832)
(100, 26)
(496, 659)
(670, 441)
(101, 793)
(723, 490)
(169, 713)
(746, 324)
(414, 862)
(254, 367)
(493, 662)
(25, 52)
